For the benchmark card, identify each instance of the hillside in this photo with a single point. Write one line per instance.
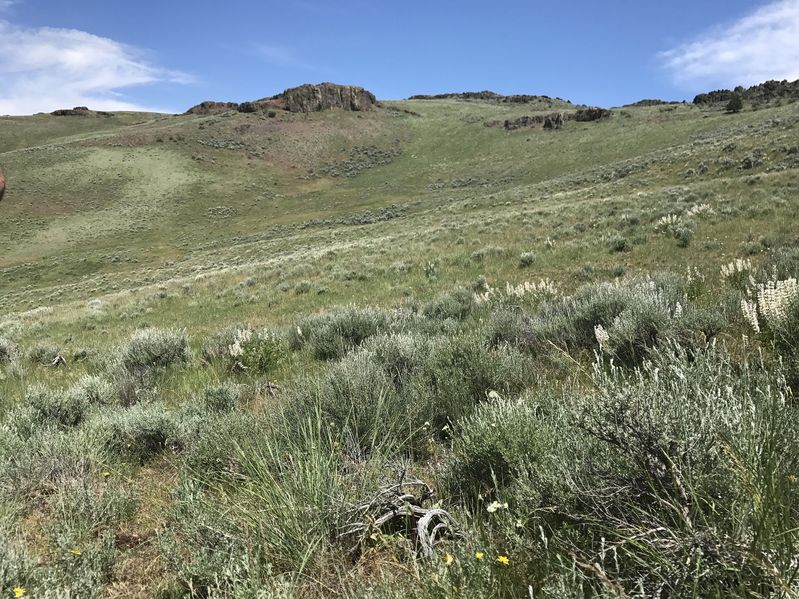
(221, 285)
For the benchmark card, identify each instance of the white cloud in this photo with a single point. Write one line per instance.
(760, 46)
(44, 69)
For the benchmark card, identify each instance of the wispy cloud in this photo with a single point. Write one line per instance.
(46, 68)
(6, 4)
(280, 56)
(760, 46)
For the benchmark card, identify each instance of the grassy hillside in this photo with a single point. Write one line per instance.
(270, 322)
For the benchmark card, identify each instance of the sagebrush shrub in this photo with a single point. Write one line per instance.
(43, 353)
(137, 433)
(154, 349)
(50, 459)
(527, 259)
(636, 314)
(505, 440)
(9, 351)
(57, 407)
(455, 305)
(219, 398)
(331, 335)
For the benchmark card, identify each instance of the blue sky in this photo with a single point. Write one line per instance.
(169, 55)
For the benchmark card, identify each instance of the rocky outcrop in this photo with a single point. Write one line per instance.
(79, 111)
(2, 183)
(764, 92)
(209, 107)
(554, 120)
(488, 96)
(305, 98)
(648, 102)
(591, 114)
(313, 98)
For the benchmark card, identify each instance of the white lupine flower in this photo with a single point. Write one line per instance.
(667, 222)
(543, 288)
(678, 310)
(774, 297)
(699, 210)
(496, 505)
(242, 337)
(602, 336)
(749, 309)
(736, 266)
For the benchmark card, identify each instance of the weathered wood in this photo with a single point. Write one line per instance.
(403, 500)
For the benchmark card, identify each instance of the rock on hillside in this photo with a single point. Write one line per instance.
(554, 120)
(2, 183)
(305, 98)
(210, 107)
(488, 96)
(313, 98)
(764, 92)
(79, 111)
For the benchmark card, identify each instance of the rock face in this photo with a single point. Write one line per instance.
(210, 107)
(305, 98)
(313, 98)
(2, 183)
(554, 120)
(488, 96)
(79, 111)
(591, 114)
(764, 92)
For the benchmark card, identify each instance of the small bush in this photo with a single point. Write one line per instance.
(527, 259)
(137, 433)
(505, 441)
(257, 353)
(9, 352)
(218, 345)
(43, 353)
(331, 335)
(49, 460)
(56, 407)
(683, 234)
(490, 251)
(455, 305)
(94, 391)
(154, 349)
(219, 398)
(619, 244)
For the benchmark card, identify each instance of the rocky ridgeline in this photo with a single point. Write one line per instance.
(79, 111)
(303, 99)
(313, 98)
(764, 92)
(488, 96)
(553, 120)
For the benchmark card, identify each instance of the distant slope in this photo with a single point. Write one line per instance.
(116, 199)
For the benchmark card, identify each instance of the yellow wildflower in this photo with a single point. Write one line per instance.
(75, 551)
(448, 559)
(479, 555)
(19, 591)
(503, 559)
